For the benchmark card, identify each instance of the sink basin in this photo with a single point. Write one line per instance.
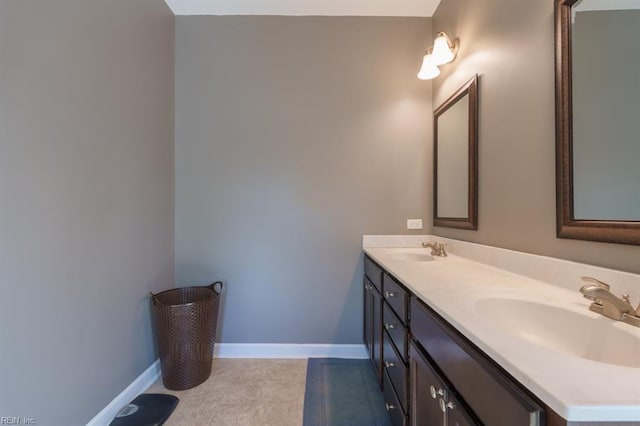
(582, 335)
(412, 256)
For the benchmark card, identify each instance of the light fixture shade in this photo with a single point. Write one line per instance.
(442, 50)
(428, 70)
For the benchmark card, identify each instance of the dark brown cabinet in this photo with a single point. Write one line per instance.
(471, 379)
(433, 402)
(396, 414)
(372, 331)
(397, 371)
(424, 408)
(395, 337)
(386, 336)
(431, 374)
(373, 326)
(456, 416)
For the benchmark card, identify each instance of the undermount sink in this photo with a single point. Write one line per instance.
(563, 330)
(412, 256)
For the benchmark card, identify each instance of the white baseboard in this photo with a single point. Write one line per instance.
(230, 350)
(139, 385)
(288, 350)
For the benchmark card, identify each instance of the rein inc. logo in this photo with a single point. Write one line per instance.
(15, 420)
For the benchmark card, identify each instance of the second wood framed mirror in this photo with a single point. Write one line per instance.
(455, 164)
(597, 147)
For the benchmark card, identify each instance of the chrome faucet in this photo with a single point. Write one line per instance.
(437, 249)
(608, 304)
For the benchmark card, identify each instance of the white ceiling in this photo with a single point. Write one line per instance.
(305, 7)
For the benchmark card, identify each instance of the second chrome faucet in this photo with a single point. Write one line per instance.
(608, 304)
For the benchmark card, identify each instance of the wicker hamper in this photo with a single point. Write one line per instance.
(185, 324)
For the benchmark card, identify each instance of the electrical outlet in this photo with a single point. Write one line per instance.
(414, 223)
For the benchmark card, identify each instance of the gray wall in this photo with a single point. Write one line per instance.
(510, 44)
(86, 183)
(295, 136)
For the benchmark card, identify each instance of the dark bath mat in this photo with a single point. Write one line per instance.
(148, 409)
(343, 392)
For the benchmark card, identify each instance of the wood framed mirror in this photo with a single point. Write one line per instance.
(597, 147)
(455, 164)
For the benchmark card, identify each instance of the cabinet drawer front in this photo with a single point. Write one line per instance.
(394, 409)
(397, 332)
(492, 396)
(396, 369)
(374, 273)
(396, 296)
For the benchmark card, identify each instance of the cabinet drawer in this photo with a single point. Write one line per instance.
(373, 272)
(396, 369)
(397, 332)
(396, 414)
(494, 397)
(396, 296)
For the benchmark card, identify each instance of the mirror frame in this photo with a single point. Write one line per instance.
(622, 232)
(470, 88)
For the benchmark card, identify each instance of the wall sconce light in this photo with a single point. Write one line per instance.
(444, 51)
(428, 70)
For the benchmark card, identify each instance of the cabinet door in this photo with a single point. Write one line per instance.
(367, 330)
(457, 415)
(493, 396)
(376, 331)
(427, 389)
(372, 327)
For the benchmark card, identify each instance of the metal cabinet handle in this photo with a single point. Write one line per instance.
(445, 405)
(389, 364)
(388, 294)
(389, 406)
(388, 326)
(435, 392)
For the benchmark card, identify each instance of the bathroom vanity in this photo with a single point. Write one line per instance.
(451, 343)
(449, 375)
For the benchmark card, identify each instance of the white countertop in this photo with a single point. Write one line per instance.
(576, 388)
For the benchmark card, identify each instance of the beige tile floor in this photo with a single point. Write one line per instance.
(243, 392)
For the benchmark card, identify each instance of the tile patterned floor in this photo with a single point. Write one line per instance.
(243, 392)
